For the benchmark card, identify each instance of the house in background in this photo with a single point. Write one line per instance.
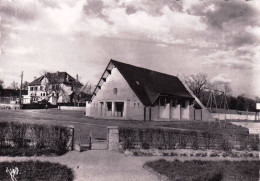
(37, 88)
(129, 92)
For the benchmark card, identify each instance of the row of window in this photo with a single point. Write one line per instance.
(42, 94)
(173, 102)
(35, 88)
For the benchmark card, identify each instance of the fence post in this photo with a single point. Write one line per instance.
(113, 138)
(71, 128)
(90, 140)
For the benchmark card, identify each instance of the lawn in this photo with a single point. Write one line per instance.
(212, 127)
(207, 170)
(31, 170)
(84, 125)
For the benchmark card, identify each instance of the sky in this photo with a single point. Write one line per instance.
(216, 37)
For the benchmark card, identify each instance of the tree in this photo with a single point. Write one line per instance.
(51, 87)
(14, 85)
(80, 93)
(198, 84)
(25, 85)
(241, 103)
(1, 84)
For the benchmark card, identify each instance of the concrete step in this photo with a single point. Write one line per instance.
(99, 145)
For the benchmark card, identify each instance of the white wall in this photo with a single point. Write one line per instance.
(134, 107)
(233, 116)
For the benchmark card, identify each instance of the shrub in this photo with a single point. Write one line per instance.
(32, 139)
(18, 132)
(166, 139)
(4, 128)
(35, 170)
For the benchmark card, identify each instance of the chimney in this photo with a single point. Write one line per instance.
(77, 77)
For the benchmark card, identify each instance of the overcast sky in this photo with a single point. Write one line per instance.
(216, 37)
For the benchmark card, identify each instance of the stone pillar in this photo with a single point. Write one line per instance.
(113, 138)
(88, 107)
(113, 108)
(178, 111)
(70, 143)
(170, 110)
(104, 109)
(125, 108)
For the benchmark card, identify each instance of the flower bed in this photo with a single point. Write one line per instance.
(193, 153)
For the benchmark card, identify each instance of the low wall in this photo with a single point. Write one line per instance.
(234, 116)
(9, 106)
(71, 108)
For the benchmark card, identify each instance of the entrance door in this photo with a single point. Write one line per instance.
(119, 109)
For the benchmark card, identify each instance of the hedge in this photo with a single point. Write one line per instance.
(168, 139)
(32, 139)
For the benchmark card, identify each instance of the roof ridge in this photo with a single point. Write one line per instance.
(144, 68)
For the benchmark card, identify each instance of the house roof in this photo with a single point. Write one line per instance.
(56, 78)
(148, 85)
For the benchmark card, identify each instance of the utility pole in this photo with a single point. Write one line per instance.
(21, 89)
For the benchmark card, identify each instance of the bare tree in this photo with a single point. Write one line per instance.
(1, 84)
(25, 85)
(51, 87)
(14, 85)
(80, 93)
(198, 84)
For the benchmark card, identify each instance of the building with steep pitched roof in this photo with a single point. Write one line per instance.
(128, 92)
(37, 91)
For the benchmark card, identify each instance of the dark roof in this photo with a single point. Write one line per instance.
(36, 81)
(56, 78)
(148, 85)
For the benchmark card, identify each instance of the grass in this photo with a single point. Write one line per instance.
(31, 170)
(98, 126)
(207, 170)
(212, 127)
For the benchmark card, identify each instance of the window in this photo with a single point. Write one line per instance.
(162, 101)
(52, 94)
(115, 90)
(174, 102)
(41, 88)
(109, 106)
(41, 94)
(31, 88)
(138, 104)
(35, 88)
(183, 105)
(134, 104)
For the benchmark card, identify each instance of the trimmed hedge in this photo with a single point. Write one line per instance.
(32, 139)
(168, 139)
